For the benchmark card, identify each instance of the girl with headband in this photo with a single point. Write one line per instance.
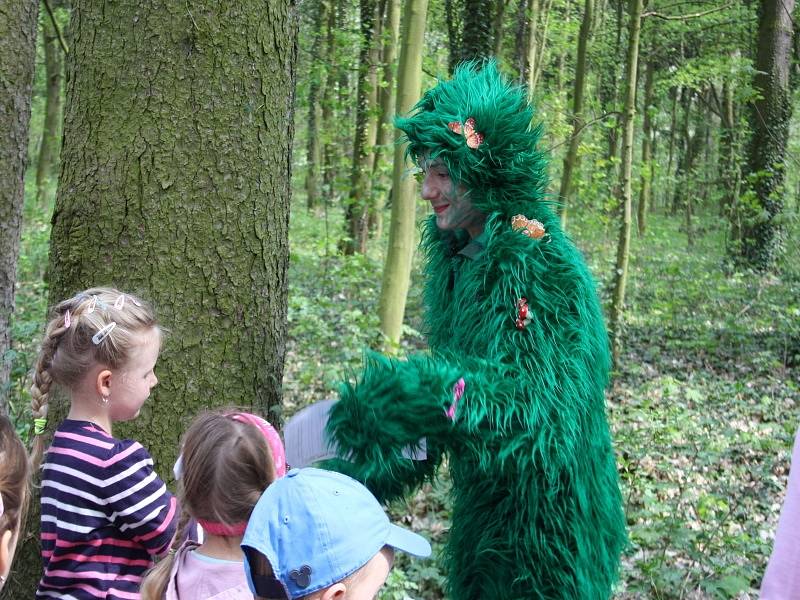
(228, 459)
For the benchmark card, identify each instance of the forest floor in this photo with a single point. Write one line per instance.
(703, 407)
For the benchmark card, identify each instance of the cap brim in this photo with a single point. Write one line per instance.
(408, 542)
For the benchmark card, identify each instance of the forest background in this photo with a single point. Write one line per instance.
(674, 155)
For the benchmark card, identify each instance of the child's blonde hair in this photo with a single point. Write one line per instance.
(226, 465)
(97, 326)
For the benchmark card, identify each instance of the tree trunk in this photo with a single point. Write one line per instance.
(452, 15)
(497, 26)
(328, 102)
(683, 164)
(357, 205)
(674, 92)
(571, 158)
(647, 149)
(17, 57)
(388, 95)
(48, 150)
(313, 146)
(762, 234)
(729, 169)
(476, 39)
(629, 117)
(520, 41)
(176, 186)
(397, 269)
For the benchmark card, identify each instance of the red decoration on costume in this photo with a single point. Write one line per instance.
(523, 317)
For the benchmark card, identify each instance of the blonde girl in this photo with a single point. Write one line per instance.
(105, 512)
(228, 459)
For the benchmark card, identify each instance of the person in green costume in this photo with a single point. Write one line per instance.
(512, 390)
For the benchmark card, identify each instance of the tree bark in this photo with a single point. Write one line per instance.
(571, 160)
(477, 40)
(452, 15)
(497, 26)
(397, 269)
(357, 205)
(629, 118)
(762, 235)
(388, 95)
(731, 176)
(328, 102)
(647, 149)
(48, 150)
(18, 26)
(313, 146)
(520, 41)
(175, 183)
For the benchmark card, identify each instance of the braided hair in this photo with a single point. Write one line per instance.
(96, 326)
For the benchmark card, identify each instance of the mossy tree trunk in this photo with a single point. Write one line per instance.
(357, 205)
(477, 36)
(629, 118)
(397, 269)
(18, 26)
(175, 184)
(761, 234)
(728, 152)
(51, 141)
(571, 157)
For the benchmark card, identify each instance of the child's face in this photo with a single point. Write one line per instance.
(132, 386)
(372, 576)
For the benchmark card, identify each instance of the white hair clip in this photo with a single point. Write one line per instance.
(98, 337)
(2, 509)
(135, 301)
(120, 302)
(92, 306)
(67, 320)
(177, 468)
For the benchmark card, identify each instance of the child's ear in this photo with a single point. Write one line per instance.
(336, 592)
(6, 552)
(103, 383)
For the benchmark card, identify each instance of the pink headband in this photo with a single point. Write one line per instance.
(273, 439)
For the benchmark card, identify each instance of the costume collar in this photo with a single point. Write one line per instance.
(475, 246)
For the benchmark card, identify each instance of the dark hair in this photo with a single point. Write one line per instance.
(227, 464)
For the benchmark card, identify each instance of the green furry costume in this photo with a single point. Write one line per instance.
(537, 511)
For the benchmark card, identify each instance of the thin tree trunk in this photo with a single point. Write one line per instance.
(177, 188)
(17, 57)
(763, 235)
(397, 269)
(497, 26)
(728, 152)
(520, 41)
(683, 164)
(328, 102)
(674, 92)
(571, 160)
(629, 116)
(48, 149)
(388, 95)
(647, 149)
(313, 147)
(533, 49)
(357, 205)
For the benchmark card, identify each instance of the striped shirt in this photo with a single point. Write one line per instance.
(105, 514)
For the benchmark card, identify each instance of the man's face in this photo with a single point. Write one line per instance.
(450, 202)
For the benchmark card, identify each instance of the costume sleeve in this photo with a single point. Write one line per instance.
(393, 406)
(138, 502)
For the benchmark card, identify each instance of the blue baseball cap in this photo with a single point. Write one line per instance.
(315, 528)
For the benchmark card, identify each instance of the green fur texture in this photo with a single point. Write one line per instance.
(537, 511)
